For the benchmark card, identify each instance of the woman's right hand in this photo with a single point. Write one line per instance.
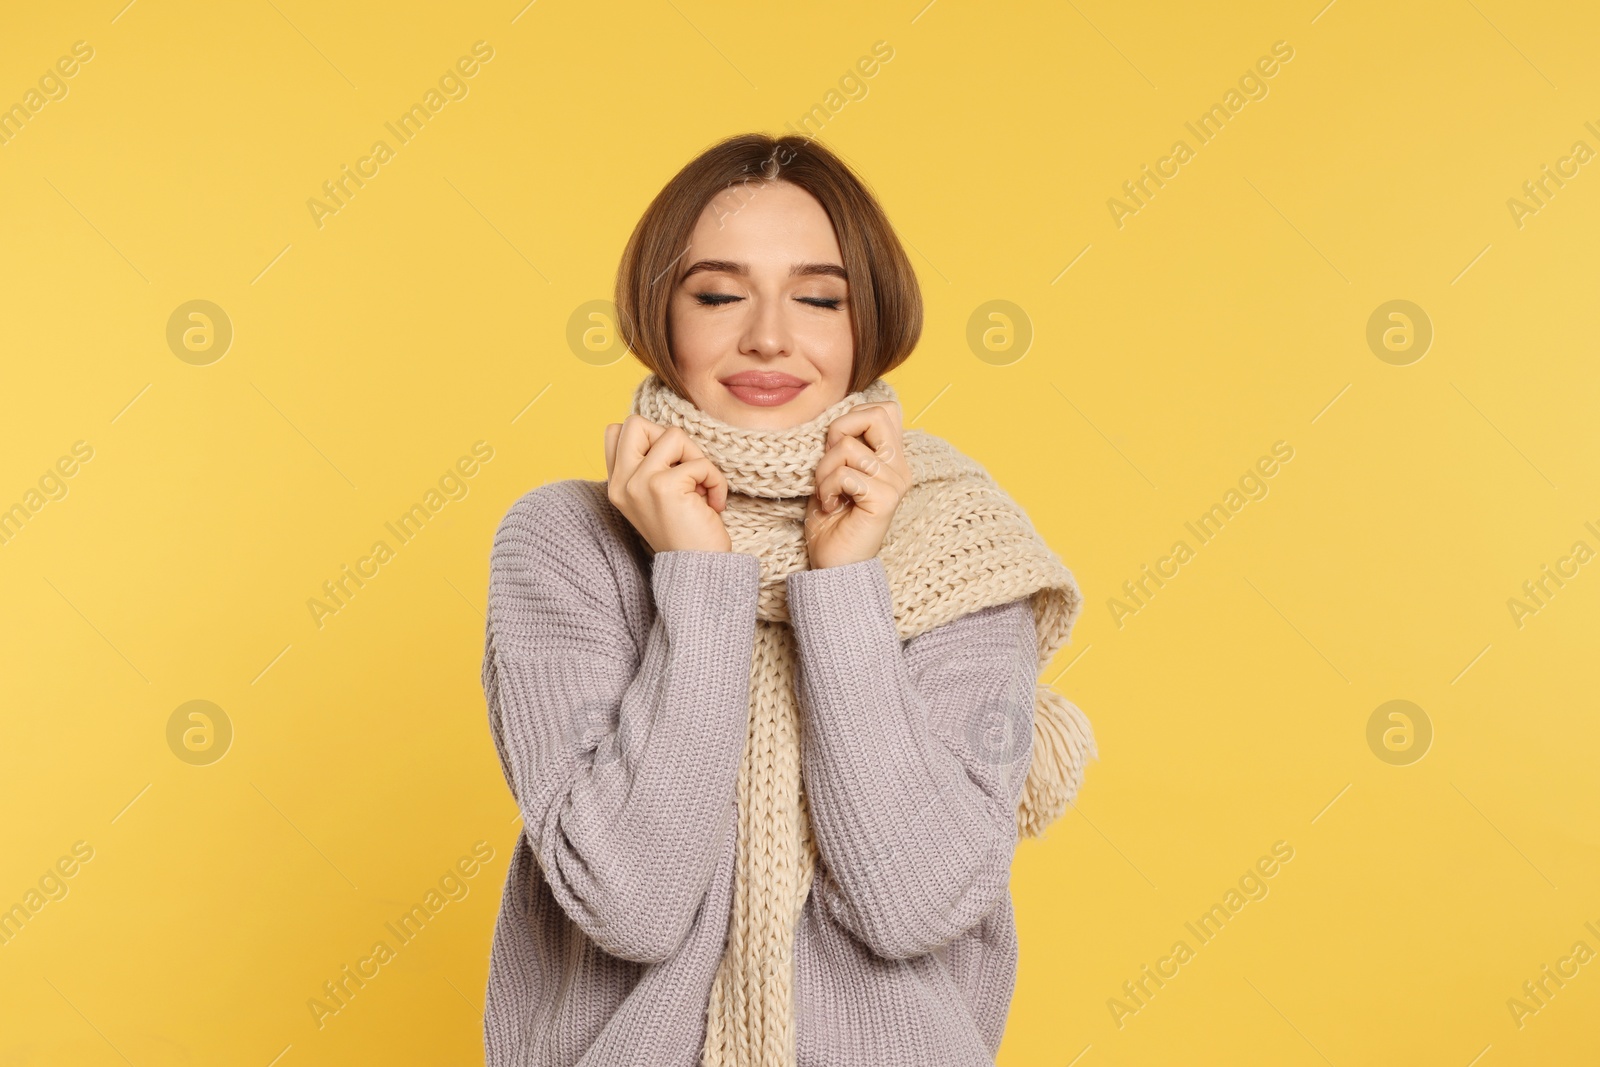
(663, 483)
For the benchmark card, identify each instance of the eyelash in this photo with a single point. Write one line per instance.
(720, 299)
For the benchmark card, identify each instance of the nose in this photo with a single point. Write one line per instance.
(766, 331)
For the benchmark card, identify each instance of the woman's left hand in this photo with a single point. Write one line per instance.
(859, 482)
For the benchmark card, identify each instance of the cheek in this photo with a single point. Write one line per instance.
(830, 340)
(696, 338)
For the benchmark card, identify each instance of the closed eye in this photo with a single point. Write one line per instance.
(719, 299)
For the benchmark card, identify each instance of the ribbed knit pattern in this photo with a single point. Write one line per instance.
(957, 543)
(623, 703)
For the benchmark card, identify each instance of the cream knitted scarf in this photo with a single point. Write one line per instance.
(957, 543)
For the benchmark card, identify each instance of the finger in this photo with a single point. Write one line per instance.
(817, 520)
(670, 446)
(877, 424)
(714, 484)
(716, 487)
(839, 487)
(612, 430)
(634, 442)
(854, 451)
(862, 489)
(673, 448)
(851, 453)
(695, 475)
(881, 436)
(710, 482)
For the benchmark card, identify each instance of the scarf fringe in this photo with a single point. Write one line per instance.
(1063, 743)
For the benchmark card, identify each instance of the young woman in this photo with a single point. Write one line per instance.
(767, 696)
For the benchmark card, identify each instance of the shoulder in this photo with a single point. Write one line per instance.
(562, 511)
(566, 562)
(569, 519)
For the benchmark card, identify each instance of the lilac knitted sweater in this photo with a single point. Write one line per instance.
(618, 694)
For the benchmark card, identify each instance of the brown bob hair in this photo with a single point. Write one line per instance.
(885, 300)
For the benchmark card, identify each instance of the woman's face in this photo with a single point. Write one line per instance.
(760, 323)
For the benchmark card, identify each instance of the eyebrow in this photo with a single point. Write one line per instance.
(728, 266)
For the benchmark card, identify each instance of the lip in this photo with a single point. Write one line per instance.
(764, 388)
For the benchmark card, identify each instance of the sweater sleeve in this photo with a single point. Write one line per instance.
(913, 755)
(623, 760)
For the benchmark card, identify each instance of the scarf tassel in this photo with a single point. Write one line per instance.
(1063, 743)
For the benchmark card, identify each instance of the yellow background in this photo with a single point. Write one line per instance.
(433, 311)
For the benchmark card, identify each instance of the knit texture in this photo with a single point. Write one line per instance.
(618, 698)
(957, 544)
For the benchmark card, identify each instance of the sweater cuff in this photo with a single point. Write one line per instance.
(842, 601)
(716, 591)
